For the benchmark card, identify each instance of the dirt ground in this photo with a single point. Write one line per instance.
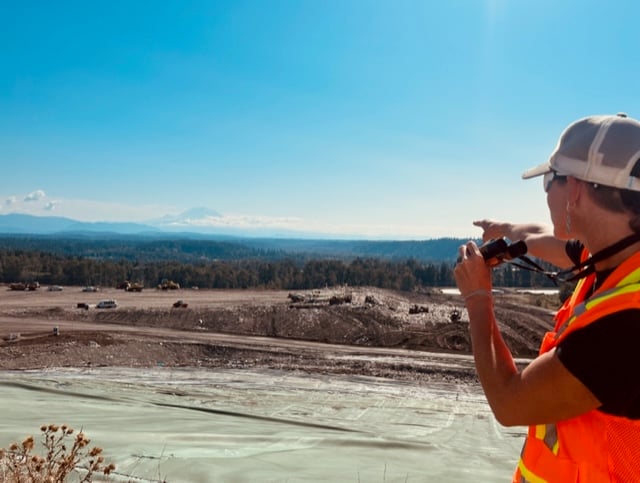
(368, 331)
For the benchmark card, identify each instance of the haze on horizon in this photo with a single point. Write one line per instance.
(391, 120)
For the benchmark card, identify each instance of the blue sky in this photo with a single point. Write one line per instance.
(378, 119)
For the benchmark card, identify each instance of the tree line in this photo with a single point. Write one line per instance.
(288, 274)
(184, 249)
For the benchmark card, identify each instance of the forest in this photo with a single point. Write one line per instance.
(226, 265)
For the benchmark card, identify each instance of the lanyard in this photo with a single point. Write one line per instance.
(581, 269)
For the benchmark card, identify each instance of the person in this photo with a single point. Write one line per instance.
(580, 396)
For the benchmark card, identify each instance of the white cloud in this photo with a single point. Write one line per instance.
(11, 200)
(51, 205)
(242, 221)
(35, 195)
(372, 230)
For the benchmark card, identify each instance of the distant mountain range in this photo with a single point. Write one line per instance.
(200, 220)
(15, 223)
(16, 229)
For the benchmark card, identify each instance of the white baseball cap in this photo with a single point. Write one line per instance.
(599, 149)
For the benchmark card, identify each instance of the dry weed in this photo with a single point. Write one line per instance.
(21, 463)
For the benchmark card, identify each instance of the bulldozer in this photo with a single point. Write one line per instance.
(168, 285)
(135, 287)
(131, 287)
(24, 286)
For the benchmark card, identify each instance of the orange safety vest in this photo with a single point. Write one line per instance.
(594, 447)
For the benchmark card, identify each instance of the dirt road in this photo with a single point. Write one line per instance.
(375, 332)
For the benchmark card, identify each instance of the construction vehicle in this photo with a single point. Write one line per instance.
(134, 287)
(168, 285)
(24, 286)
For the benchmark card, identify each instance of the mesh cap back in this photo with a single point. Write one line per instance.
(598, 149)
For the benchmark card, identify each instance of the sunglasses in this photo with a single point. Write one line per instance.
(549, 178)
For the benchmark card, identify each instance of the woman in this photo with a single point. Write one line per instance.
(581, 396)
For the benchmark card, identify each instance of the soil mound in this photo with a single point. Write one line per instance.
(149, 330)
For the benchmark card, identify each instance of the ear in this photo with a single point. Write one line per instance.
(575, 190)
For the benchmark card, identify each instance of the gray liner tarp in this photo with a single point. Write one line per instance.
(266, 426)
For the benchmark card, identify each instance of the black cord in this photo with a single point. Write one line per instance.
(584, 268)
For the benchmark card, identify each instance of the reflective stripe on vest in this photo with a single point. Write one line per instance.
(526, 476)
(593, 302)
(549, 434)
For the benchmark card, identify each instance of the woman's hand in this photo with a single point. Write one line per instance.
(540, 239)
(472, 274)
(494, 229)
